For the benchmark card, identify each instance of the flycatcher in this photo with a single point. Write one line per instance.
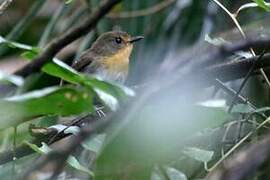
(108, 57)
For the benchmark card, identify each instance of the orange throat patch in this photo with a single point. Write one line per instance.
(119, 62)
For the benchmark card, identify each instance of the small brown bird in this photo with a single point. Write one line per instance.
(108, 57)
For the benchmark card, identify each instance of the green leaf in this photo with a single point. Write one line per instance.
(263, 4)
(29, 55)
(49, 101)
(18, 45)
(109, 93)
(198, 154)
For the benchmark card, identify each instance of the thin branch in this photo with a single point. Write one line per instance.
(244, 164)
(232, 16)
(143, 12)
(245, 81)
(4, 5)
(59, 43)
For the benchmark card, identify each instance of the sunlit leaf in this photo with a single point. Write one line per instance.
(49, 101)
(18, 45)
(263, 4)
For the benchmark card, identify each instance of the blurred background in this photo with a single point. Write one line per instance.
(173, 29)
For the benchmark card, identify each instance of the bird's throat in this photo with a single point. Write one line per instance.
(118, 63)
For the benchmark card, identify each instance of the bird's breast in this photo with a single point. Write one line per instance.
(116, 66)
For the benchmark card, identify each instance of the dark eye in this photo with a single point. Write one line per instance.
(118, 40)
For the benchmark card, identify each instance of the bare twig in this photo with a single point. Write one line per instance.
(59, 43)
(243, 164)
(245, 81)
(4, 5)
(233, 17)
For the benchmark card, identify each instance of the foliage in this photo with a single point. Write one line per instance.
(176, 134)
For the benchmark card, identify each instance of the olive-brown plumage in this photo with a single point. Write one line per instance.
(108, 57)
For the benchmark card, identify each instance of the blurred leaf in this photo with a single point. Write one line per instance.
(50, 101)
(198, 154)
(215, 103)
(72, 161)
(157, 132)
(29, 55)
(94, 144)
(242, 108)
(68, 1)
(171, 174)
(17, 80)
(110, 94)
(215, 41)
(18, 45)
(263, 4)
(34, 147)
(175, 174)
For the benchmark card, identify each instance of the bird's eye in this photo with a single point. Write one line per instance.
(118, 40)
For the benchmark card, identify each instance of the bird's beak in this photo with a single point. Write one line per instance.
(136, 38)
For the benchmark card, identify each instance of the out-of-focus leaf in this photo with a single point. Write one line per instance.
(242, 108)
(215, 41)
(110, 94)
(33, 147)
(18, 45)
(17, 80)
(171, 173)
(29, 55)
(263, 4)
(157, 133)
(198, 154)
(68, 1)
(94, 144)
(215, 103)
(50, 101)
(72, 161)
(175, 174)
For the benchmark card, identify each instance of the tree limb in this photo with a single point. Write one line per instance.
(59, 43)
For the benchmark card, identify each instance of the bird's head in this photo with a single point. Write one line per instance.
(113, 42)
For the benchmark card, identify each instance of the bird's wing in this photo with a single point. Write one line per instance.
(85, 60)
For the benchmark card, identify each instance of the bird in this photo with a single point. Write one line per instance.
(108, 57)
